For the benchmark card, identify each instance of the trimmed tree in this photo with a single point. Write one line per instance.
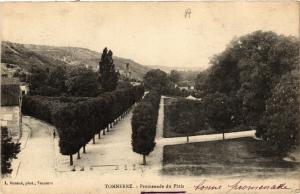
(219, 112)
(186, 117)
(143, 124)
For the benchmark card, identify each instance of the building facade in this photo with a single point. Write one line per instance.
(11, 102)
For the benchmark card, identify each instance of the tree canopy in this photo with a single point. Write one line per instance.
(156, 79)
(248, 72)
(82, 82)
(108, 75)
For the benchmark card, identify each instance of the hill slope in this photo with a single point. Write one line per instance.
(27, 55)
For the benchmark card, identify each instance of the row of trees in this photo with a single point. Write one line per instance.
(215, 111)
(144, 120)
(259, 73)
(79, 119)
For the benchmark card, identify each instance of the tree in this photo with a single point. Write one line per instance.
(56, 79)
(187, 120)
(201, 84)
(38, 77)
(280, 123)
(219, 112)
(175, 76)
(9, 151)
(156, 79)
(249, 68)
(144, 120)
(66, 120)
(108, 76)
(82, 82)
(47, 82)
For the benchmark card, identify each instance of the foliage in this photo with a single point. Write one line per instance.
(9, 151)
(60, 81)
(78, 119)
(144, 120)
(156, 79)
(185, 116)
(41, 107)
(249, 70)
(159, 81)
(280, 123)
(175, 91)
(47, 82)
(57, 78)
(108, 76)
(175, 76)
(38, 77)
(219, 111)
(82, 82)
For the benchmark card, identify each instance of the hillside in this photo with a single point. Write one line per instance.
(27, 55)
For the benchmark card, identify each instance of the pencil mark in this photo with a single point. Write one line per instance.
(187, 13)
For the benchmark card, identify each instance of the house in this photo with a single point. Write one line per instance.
(11, 101)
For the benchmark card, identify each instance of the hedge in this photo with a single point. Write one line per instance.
(144, 120)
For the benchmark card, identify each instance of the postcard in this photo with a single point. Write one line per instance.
(150, 97)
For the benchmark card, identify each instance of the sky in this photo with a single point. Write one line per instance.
(151, 33)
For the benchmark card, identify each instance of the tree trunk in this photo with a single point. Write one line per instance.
(71, 159)
(99, 135)
(83, 149)
(144, 159)
(187, 139)
(93, 139)
(78, 154)
(104, 131)
(223, 135)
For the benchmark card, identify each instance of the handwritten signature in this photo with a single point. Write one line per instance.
(239, 186)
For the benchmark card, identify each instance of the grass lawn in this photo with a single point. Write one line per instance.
(228, 157)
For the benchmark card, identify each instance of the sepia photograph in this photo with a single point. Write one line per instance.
(150, 97)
